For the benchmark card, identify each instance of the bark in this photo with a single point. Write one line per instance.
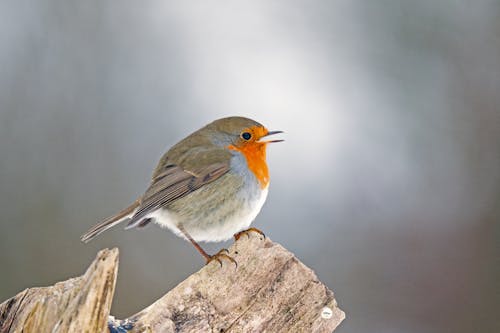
(269, 291)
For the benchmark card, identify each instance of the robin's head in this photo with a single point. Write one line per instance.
(246, 137)
(241, 133)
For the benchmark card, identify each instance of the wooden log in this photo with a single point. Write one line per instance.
(76, 305)
(269, 291)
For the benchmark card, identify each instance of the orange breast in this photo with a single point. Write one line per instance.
(255, 154)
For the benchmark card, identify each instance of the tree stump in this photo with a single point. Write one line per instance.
(269, 291)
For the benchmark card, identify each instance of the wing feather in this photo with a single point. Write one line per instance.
(173, 183)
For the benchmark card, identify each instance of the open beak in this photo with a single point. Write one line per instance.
(268, 134)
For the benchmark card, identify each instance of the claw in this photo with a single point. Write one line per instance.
(220, 255)
(246, 232)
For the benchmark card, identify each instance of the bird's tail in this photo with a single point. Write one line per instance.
(110, 222)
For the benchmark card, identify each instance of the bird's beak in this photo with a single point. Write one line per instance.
(268, 134)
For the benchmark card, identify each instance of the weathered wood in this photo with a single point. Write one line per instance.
(77, 305)
(269, 291)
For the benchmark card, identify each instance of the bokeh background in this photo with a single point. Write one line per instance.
(388, 184)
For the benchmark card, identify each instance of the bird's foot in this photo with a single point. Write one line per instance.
(222, 254)
(246, 232)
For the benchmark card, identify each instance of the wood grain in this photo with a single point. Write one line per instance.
(76, 305)
(269, 291)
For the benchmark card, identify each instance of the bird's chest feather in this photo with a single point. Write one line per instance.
(254, 160)
(219, 209)
(243, 201)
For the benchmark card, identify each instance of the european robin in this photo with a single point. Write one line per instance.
(208, 187)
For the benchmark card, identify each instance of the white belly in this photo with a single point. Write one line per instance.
(241, 220)
(215, 232)
(213, 218)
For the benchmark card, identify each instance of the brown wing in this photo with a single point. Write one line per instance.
(174, 182)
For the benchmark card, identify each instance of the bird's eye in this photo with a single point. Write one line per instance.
(246, 135)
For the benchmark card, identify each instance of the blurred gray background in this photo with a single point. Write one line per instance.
(388, 184)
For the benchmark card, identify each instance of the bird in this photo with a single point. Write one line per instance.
(208, 187)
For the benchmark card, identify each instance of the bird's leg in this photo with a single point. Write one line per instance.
(218, 256)
(246, 232)
(196, 245)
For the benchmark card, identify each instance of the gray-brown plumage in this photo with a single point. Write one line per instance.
(203, 185)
